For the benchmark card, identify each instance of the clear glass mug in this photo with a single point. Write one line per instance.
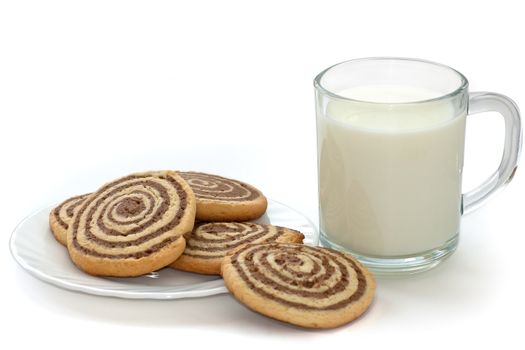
(390, 144)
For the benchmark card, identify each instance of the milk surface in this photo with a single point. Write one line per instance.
(390, 174)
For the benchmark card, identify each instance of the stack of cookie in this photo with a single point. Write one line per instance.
(199, 223)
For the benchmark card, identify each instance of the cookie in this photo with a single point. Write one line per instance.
(133, 225)
(223, 199)
(62, 215)
(210, 242)
(307, 286)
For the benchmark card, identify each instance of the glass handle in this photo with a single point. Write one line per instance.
(492, 102)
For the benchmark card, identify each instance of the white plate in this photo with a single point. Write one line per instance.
(36, 250)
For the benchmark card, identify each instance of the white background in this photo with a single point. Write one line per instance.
(93, 90)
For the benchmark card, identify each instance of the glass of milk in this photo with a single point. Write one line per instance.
(390, 141)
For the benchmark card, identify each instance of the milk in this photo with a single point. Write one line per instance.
(389, 174)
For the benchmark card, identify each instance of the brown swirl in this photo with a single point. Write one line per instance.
(64, 212)
(213, 187)
(131, 217)
(299, 276)
(214, 240)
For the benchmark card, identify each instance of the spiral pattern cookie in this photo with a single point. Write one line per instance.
(223, 199)
(307, 286)
(133, 225)
(210, 242)
(62, 215)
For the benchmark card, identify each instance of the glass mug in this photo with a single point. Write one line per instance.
(390, 143)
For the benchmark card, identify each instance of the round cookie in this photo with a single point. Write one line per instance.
(307, 286)
(209, 243)
(133, 225)
(62, 215)
(223, 199)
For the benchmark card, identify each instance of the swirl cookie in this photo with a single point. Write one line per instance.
(62, 215)
(210, 242)
(307, 286)
(133, 225)
(223, 199)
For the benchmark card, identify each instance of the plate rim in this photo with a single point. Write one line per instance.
(217, 286)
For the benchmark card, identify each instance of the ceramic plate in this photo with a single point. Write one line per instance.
(36, 250)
